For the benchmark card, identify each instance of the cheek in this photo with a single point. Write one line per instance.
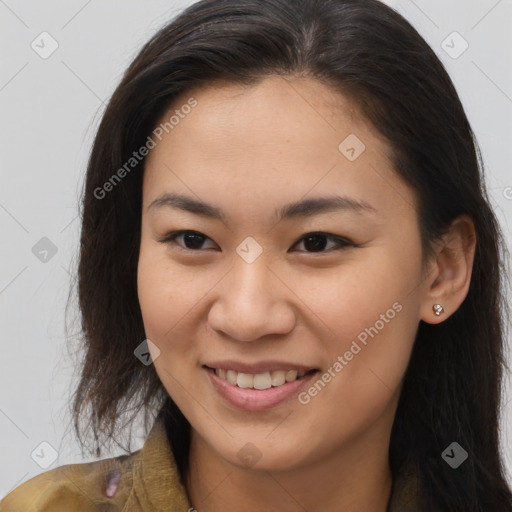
(170, 296)
(163, 293)
(167, 298)
(370, 315)
(354, 296)
(153, 292)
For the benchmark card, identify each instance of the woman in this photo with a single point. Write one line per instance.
(287, 255)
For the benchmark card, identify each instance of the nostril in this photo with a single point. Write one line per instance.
(113, 479)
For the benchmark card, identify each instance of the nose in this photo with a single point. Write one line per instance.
(251, 302)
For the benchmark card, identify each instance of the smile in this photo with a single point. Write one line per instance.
(264, 380)
(257, 391)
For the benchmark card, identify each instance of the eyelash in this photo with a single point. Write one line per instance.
(170, 238)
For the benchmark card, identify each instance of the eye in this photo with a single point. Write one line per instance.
(313, 242)
(192, 239)
(316, 242)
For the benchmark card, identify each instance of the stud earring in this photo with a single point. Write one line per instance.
(438, 309)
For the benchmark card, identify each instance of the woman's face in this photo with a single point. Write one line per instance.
(272, 282)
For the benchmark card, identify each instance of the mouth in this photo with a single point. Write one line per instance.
(258, 391)
(261, 381)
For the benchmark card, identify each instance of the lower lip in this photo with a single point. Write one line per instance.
(256, 399)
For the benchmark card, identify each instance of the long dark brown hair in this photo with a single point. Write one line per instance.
(371, 54)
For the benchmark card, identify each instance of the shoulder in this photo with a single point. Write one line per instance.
(146, 480)
(92, 486)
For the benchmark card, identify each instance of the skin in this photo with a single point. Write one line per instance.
(249, 151)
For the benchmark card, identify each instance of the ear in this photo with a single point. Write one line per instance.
(449, 276)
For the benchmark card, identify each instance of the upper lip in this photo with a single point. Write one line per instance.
(259, 367)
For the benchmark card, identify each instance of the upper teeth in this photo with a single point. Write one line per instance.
(259, 380)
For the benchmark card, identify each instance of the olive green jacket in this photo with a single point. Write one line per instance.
(149, 482)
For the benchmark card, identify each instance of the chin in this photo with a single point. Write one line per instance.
(262, 455)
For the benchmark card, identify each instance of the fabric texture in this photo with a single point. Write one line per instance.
(144, 481)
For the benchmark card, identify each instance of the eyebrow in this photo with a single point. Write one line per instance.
(304, 208)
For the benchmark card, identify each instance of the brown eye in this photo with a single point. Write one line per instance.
(316, 242)
(192, 240)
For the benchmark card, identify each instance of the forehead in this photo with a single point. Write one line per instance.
(275, 107)
(276, 141)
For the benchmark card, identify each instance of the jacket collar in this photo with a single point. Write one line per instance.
(157, 485)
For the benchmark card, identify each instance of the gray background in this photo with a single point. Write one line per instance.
(50, 109)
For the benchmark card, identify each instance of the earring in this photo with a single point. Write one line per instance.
(438, 309)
